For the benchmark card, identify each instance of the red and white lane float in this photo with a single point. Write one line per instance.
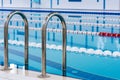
(106, 34)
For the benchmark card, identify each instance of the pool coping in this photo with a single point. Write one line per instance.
(21, 74)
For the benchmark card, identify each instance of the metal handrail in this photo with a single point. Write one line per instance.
(6, 38)
(43, 75)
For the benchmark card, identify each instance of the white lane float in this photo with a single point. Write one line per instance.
(107, 53)
(32, 44)
(47, 45)
(90, 51)
(98, 52)
(68, 48)
(38, 45)
(116, 54)
(53, 46)
(59, 47)
(72, 49)
(1, 41)
(82, 50)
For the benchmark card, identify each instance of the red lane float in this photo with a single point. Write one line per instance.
(106, 34)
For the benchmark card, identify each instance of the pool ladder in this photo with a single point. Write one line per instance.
(6, 39)
(43, 75)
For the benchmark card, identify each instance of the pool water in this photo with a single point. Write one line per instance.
(83, 64)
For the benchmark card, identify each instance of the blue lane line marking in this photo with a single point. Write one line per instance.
(2, 3)
(104, 4)
(51, 4)
(75, 12)
(79, 74)
(74, 16)
(57, 2)
(10, 1)
(39, 1)
(20, 32)
(97, 0)
(30, 3)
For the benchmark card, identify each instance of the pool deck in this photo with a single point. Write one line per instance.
(21, 74)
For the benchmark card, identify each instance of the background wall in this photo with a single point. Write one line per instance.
(63, 4)
(15, 3)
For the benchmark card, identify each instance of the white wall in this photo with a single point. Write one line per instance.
(112, 4)
(17, 3)
(88, 4)
(85, 4)
(0, 3)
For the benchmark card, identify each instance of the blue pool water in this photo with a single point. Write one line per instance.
(84, 63)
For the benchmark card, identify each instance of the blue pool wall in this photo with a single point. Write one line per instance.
(62, 4)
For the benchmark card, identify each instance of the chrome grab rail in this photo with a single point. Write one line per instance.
(6, 38)
(43, 75)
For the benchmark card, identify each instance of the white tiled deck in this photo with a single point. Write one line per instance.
(20, 74)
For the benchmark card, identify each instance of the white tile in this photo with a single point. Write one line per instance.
(19, 74)
(4, 79)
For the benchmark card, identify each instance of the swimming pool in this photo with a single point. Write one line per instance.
(89, 55)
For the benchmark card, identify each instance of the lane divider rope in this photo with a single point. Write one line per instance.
(85, 17)
(74, 23)
(69, 48)
(103, 34)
